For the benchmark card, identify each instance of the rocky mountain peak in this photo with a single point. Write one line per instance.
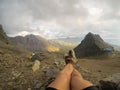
(91, 45)
(90, 37)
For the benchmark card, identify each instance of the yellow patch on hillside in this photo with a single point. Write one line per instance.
(53, 49)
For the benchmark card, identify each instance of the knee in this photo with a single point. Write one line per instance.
(76, 78)
(64, 74)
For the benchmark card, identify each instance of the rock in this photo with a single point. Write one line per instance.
(38, 85)
(16, 74)
(36, 66)
(114, 78)
(110, 83)
(52, 72)
(10, 83)
(99, 71)
(1, 52)
(29, 89)
(46, 83)
(107, 85)
(29, 64)
(56, 63)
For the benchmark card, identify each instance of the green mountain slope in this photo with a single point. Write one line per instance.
(3, 36)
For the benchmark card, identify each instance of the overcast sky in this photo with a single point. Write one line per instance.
(62, 18)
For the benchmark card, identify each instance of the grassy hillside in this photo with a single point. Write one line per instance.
(3, 36)
(61, 46)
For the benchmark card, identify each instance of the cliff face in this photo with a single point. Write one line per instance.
(3, 36)
(92, 45)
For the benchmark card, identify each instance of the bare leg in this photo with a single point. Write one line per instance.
(62, 81)
(77, 81)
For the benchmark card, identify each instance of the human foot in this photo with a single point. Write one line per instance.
(70, 58)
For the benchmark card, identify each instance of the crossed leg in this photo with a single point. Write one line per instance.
(78, 82)
(70, 79)
(62, 81)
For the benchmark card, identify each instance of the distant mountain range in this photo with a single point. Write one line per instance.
(75, 40)
(37, 43)
(30, 42)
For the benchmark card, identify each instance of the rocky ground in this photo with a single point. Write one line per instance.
(16, 70)
(100, 69)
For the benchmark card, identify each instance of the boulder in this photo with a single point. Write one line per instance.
(110, 83)
(36, 66)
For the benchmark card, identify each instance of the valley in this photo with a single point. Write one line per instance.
(16, 67)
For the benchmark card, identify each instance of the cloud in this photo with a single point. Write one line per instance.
(61, 18)
(23, 33)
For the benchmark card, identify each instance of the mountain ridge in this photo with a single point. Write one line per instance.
(36, 43)
(92, 44)
(30, 42)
